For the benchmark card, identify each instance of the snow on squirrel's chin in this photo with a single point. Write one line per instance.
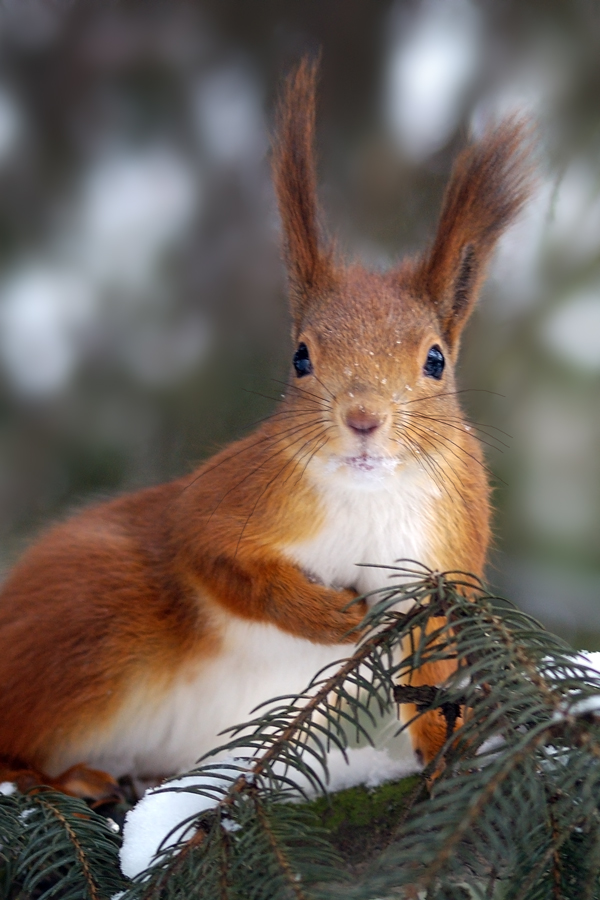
(153, 822)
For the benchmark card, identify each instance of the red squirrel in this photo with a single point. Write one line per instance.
(135, 631)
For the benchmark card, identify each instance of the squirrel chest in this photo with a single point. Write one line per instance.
(371, 518)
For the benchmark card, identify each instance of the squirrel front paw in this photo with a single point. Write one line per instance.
(341, 615)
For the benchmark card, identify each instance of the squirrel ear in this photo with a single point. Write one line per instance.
(310, 267)
(490, 182)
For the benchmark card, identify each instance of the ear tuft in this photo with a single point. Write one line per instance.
(294, 172)
(490, 182)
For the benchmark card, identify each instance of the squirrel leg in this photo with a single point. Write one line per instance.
(273, 590)
(429, 732)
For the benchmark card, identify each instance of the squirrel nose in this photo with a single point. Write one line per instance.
(362, 421)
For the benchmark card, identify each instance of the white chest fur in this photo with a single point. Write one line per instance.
(370, 520)
(159, 735)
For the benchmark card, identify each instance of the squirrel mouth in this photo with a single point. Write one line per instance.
(366, 463)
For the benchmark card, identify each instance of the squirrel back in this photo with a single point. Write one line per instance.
(131, 634)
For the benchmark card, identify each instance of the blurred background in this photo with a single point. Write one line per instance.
(142, 296)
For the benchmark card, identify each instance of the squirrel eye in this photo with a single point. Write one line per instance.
(434, 364)
(302, 363)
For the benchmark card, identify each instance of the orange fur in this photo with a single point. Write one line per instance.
(132, 598)
(77, 781)
(429, 732)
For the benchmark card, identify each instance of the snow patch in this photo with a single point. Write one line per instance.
(368, 766)
(592, 660)
(162, 817)
(589, 704)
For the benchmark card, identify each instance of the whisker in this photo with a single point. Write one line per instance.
(301, 457)
(406, 442)
(316, 450)
(295, 387)
(261, 495)
(461, 430)
(427, 463)
(444, 421)
(324, 386)
(476, 426)
(303, 428)
(438, 466)
(444, 475)
(470, 423)
(269, 437)
(418, 436)
(427, 435)
(422, 457)
(288, 414)
(448, 440)
(259, 394)
(435, 469)
(266, 487)
(452, 394)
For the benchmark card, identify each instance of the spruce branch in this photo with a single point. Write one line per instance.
(54, 846)
(89, 880)
(520, 693)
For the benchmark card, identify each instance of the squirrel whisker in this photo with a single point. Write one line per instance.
(426, 462)
(300, 428)
(227, 457)
(428, 431)
(465, 425)
(470, 422)
(295, 387)
(418, 440)
(299, 456)
(265, 489)
(452, 394)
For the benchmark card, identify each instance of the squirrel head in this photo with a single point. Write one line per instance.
(370, 347)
